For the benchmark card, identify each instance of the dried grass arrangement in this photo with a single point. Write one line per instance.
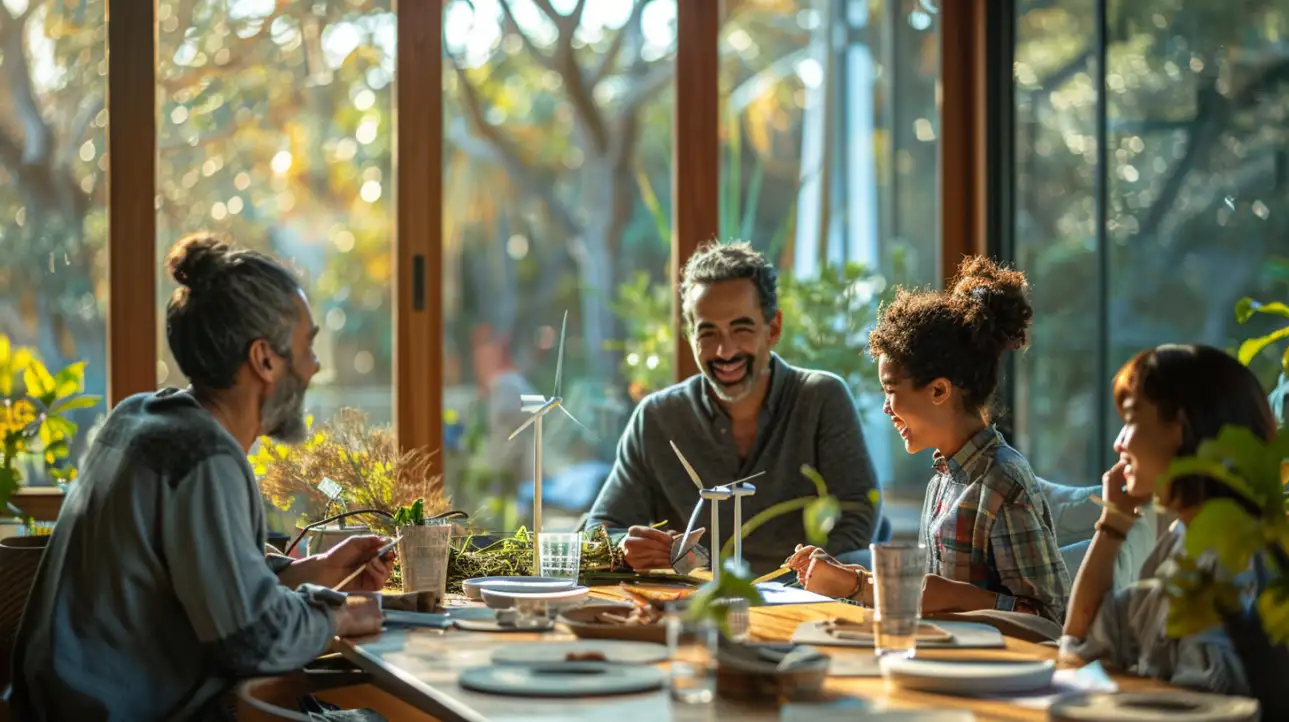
(365, 461)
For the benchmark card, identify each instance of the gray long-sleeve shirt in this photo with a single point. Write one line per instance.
(155, 594)
(808, 417)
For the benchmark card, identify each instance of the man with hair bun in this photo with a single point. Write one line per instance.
(155, 593)
(747, 411)
(985, 521)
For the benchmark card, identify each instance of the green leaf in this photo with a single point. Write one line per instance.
(1216, 470)
(1273, 608)
(10, 481)
(59, 428)
(70, 380)
(1250, 347)
(820, 516)
(1223, 527)
(1247, 455)
(37, 381)
(72, 403)
(56, 450)
(735, 583)
(1246, 307)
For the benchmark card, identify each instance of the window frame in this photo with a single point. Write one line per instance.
(968, 203)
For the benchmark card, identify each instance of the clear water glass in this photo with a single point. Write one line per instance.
(561, 554)
(532, 613)
(691, 647)
(738, 620)
(898, 569)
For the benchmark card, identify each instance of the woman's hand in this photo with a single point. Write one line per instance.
(1115, 492)
(820, 573)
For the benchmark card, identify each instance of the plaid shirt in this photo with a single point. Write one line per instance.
(987, 522)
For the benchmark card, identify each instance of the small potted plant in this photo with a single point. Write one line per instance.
(1251, 531)
(346, 468)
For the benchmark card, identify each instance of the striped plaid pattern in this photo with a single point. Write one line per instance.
(987, 522)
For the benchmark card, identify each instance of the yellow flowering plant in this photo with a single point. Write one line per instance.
(364, 461)
(34, 408)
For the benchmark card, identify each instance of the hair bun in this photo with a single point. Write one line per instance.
(197, 259)
(999, 294)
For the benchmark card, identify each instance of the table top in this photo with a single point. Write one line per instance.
(421, 666)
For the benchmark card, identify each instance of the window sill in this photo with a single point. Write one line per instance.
(39, 502)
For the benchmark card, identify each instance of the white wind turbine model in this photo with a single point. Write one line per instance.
(735, 490)
(539, 406)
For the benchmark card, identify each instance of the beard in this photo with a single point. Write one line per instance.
(733, 391)
(282, 415)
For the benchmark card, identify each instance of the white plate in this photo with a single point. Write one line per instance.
(973, 678)
(473, 587)
(505, 599)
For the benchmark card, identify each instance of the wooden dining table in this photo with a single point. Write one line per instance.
(421, 667)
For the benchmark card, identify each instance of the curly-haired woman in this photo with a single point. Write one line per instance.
(985, 522)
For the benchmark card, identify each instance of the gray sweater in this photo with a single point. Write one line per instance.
(809, 417)
(155, 593)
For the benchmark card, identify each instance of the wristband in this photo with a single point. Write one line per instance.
(858, 592)
(1110, 531)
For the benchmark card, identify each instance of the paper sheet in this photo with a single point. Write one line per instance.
(776, 593)
(1089, 678)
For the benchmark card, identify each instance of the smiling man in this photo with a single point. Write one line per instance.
(747, 412)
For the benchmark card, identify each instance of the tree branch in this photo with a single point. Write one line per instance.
(506, 154)
(1205, 131)
(512, 25)
(609, 61)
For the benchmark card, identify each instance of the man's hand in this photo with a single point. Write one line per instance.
(648, 548)
(341, 560)
(820, 573)
(358, 616)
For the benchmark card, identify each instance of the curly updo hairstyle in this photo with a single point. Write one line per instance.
(960, 333)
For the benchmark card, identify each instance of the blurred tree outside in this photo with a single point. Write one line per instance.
(1197, 213)
(275, 126)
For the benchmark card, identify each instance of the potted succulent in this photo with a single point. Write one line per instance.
(347, 468)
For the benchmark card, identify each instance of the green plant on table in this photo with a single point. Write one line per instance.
(1203, 595)
(513, 556)
(34, 408)
(371, 469)
(1245, 309)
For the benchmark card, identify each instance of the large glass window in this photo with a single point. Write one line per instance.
(53, 202)
(1196, 211)
(829, 157)
(275, 128)
(557, 163)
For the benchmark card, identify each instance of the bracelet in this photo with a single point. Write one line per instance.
(1135, 515)
(859, 587)
(1110, 531)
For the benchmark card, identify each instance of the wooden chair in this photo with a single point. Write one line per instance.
(275, 699)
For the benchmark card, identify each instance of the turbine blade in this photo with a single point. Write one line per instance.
(740, 481)
(545, 409)
(531, 420)
(688, 469)
(559, 361)
(532, 399)
(570, 415)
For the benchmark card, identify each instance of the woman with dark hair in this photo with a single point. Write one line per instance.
(986, 522)
(1171, 399)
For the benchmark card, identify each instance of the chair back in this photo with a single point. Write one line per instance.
(19, 561)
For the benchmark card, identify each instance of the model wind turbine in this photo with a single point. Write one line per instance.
(539, 406)
(735, 490)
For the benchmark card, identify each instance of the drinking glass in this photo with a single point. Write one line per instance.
(898, 569)
(561, 554)
(738, 621)
(532, 613)
(692, 645)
